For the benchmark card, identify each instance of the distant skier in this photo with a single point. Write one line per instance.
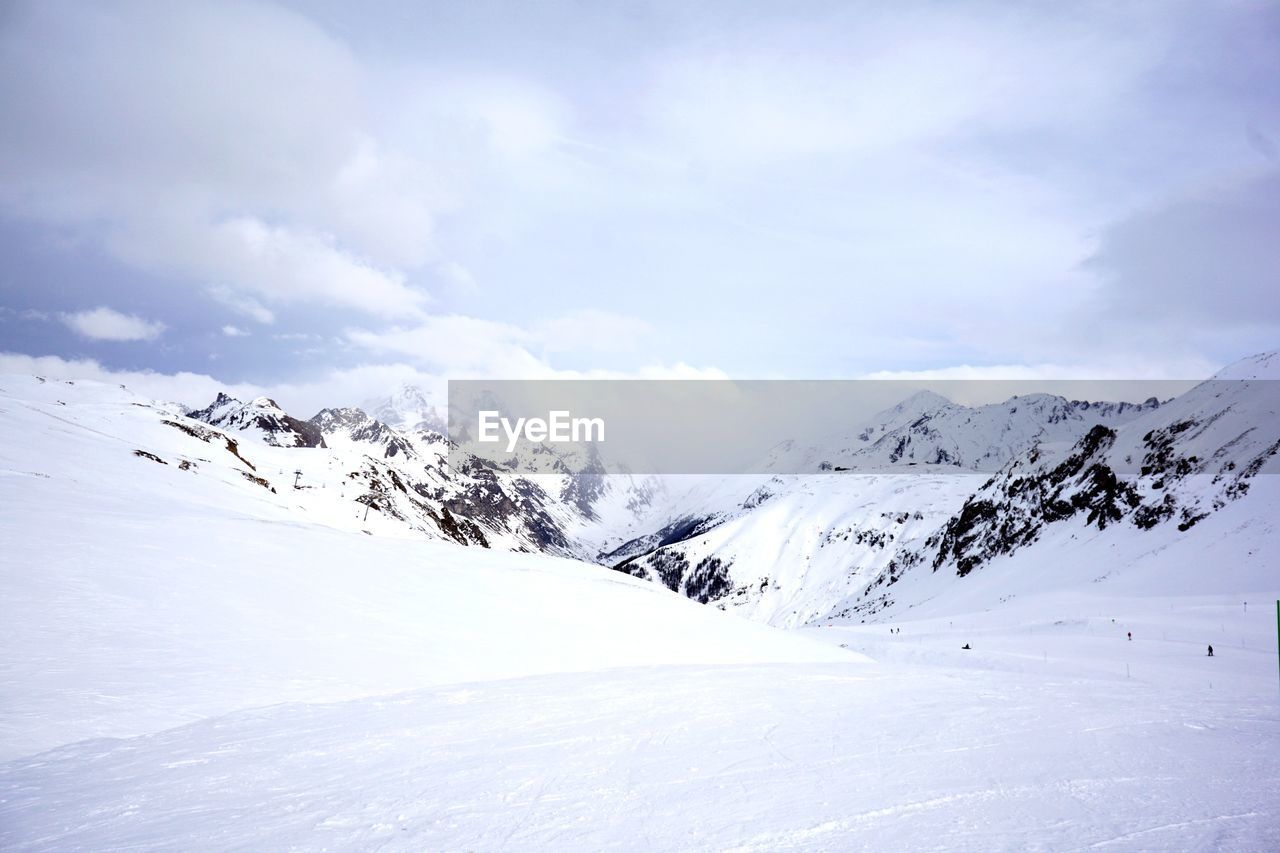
(965, 646)
(1211, 651)
(1131, 636)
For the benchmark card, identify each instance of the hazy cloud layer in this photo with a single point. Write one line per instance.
(1210, 257)
(816, 189)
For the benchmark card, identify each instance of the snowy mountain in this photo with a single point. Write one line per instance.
(405, 478)
(1199, 454)
(352, 427)
(915, 493)
(928, 429)
(927, 485)
(408, 408)
(598, 502)
(261, 417)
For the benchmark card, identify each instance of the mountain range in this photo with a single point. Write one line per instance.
(898, 511)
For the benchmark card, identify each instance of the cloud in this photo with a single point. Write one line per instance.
(456, 276)
(457, 345)
(273, 178)
(589, 331)
(241, 304)
(284, 264)
(350, 386)
(187, 388)
(1207, 257)
(106, 324)
(302, 398)
(234, 332)
(26, 314)
(1152, 368)
(911, 185)
(828, 86)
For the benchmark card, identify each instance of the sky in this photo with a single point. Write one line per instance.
(320, 200)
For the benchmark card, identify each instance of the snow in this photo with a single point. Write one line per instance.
(138, 596)
(927, 429)
(408, 408)
(986, 750)
(872, 541)
(193, 662)
(816, 541)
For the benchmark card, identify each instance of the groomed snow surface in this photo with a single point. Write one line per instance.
(188, 665)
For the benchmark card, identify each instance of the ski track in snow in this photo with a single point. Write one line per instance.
(761, 757)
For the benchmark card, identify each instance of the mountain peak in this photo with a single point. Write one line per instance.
(408, 408)
(262, 416)
(924, 401)
(264, 403)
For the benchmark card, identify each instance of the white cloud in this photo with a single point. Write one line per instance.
(302, 399)
(1153, 369)
(817, 86)
(465, 346)
(331, 388)
(241, 304)
(459, 346)
(131, 125)
(589, 331)
(234, 332)
(187, 388)
(456, 276)
(106, 324)
(519, 119)
(911, 184)
(280, 263)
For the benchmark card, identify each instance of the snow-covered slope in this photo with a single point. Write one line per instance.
(998, 749)
(152, 577)
(912, 496)
(1148, 504)
(199, 656)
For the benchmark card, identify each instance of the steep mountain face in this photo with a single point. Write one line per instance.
(408, 408)
(353, 427)
(407, 478)
(928, 429)
(262, 417)
(915, 494)
(1176, 467)
(597, 500)
(786, 550)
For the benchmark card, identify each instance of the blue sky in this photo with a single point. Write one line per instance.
(323, 199)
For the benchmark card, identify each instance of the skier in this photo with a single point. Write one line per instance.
(1130, 636)
(965, 646)
(1211, 651)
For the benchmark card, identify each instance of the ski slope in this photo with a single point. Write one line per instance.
(194, 662)
(934, 749)
(139, 596)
